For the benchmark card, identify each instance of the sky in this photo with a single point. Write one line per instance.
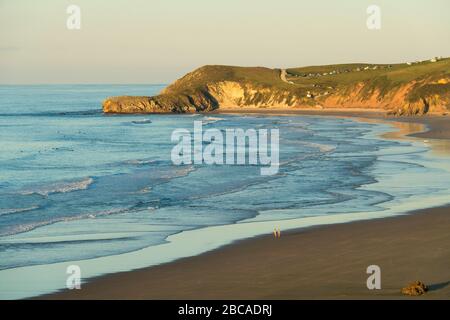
(158, 41)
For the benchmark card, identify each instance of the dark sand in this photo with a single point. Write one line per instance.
(327, 262)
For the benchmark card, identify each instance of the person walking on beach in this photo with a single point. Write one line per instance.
(276, 233)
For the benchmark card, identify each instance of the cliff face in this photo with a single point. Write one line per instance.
(399, 89)
(158, 104)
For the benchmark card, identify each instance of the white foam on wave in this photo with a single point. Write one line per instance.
(208, 120)
(321, 147)
(145, 190)
(180, 172)
(140, 162)
(33, 225)
(144, 121)
(17, 210)
(60, 187)
(22, 282)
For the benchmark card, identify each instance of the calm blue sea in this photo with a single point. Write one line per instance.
(76, 184)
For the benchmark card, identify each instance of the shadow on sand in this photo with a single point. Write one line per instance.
(438, 286)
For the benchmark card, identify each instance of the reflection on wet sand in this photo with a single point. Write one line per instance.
(406, 129)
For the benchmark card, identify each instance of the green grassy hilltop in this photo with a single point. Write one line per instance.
(406, 88)
(378, 77)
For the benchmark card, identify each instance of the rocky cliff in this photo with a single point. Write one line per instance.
(401, 89)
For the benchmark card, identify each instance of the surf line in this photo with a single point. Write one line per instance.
(235, 147)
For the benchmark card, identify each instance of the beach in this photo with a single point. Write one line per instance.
(435, 126)
(319, 263)
(323, 262)
(289, 150)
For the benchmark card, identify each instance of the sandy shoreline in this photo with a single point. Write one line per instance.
(323, 262)
(326, 262)
(438, 126)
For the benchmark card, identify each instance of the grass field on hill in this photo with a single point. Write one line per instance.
(324, 79)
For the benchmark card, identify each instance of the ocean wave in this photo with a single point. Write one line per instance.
(17, 245)
(17, 210)
(325, 148)
(53, 113)
(180, 172)
(60, 187)
(140, 162)
(145, 190)
(208, 120)
(21, 228)
(144, 121)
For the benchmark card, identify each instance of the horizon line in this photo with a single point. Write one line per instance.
(227, 65)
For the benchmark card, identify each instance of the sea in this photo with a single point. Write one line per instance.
(79, 187)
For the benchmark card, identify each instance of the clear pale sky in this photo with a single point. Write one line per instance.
(157, 41)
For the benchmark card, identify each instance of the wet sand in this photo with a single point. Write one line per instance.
(327, 262)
